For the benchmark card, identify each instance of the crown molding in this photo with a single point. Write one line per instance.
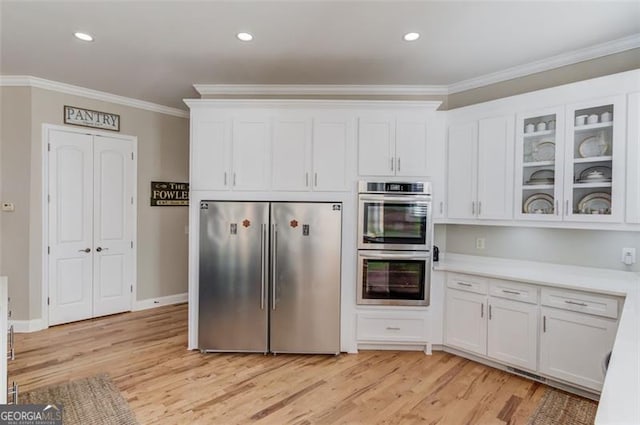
(430, 105)
(564, 59)
(41, 83)
(321, 89)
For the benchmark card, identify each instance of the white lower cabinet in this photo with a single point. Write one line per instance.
(512, 333)
(574, 346)
(563, 334)
(465, 321)
(378, 329)
(501, 329)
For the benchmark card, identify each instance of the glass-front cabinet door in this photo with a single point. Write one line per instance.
(539, 164)
(594, 166)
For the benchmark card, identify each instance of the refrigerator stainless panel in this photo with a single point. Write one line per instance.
(233, 313)
(305, 305)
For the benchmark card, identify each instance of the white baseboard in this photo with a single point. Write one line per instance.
(26, 326)
(160, 301)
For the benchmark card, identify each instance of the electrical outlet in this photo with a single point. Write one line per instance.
(479, 243)
(629, 256)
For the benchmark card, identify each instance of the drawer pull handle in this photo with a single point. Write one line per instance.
(465, 284)
(506, 291)
(392, 328)
(575, 303)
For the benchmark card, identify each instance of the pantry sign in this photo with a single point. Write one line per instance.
(169, 194)
(89, 118)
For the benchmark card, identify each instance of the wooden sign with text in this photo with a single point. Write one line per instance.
(169, 194)
(88, 118)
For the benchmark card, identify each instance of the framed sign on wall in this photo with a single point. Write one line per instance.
(89, 118)
(169, 194)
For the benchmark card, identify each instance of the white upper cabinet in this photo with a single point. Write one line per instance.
(539, 164)
(272, 146)
(570, 162)
(594, 160)
(311, 151)
(210, 153)
(633, 159)
(229, 152)
(495, 168)
(462, 170)
(480, 169)
(376, 145)
(411, 146)
(290, 160)
(250, 152)
(395, 144)
(333, 138)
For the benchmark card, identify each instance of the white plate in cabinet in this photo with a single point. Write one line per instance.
(375, 328)
(465, 282)
(514, 291)
(599, 305)
(573, 346)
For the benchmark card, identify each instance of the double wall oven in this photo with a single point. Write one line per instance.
(394, 243)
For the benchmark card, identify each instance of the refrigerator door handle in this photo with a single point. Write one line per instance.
(263, 238)
(274, 263)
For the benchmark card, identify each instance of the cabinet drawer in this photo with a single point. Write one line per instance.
(514, 290)
(465, 282)
(596, 304)
(390, 329)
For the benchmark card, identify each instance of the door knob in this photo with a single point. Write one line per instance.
(87, 250)
(100, 249)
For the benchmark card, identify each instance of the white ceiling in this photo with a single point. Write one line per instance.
(156, 50)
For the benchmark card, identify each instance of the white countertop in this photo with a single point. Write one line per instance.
(620, 398)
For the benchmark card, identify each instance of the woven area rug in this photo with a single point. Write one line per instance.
(95, 401)
(560, 408)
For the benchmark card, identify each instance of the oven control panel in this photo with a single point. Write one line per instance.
(395, 187)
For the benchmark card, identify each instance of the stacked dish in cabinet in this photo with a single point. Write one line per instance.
(592, 160)
(539, 152)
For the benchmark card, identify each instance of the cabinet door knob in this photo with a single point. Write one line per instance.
(87, 250)
(398, 163)
(391, 162)
(100, 249)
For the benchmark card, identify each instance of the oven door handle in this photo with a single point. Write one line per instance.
(407, 199)
(395, 256)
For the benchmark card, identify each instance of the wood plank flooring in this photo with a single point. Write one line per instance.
(145, 354)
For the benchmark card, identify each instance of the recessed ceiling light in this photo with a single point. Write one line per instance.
(411, 36)
(244, 36)
(83, 36)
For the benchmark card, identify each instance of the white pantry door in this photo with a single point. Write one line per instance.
(112, 225)
(90, 226)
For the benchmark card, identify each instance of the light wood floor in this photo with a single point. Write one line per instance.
(145, 354)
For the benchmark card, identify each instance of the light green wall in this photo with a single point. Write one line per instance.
(15, 180)
(589, 248)
(606, 65)
(163, 152)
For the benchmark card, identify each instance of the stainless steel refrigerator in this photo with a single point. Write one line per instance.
(269, 277)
